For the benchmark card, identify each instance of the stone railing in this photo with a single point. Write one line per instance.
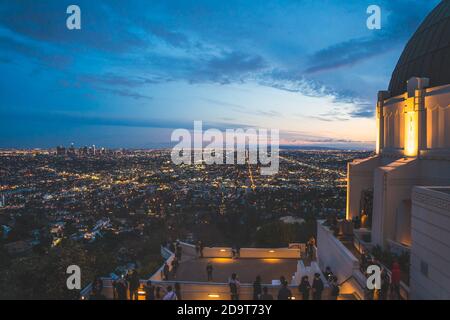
(250, 253)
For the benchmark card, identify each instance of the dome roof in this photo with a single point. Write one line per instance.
(427, 54)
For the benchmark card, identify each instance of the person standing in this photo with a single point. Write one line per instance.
(304, 288)
(328, 274)
(209, 271)
(158, 293)
(235, 286)
(395, 280)
(178, 291)
(317, 287)
(121, 289)
(97, 288)
(170, 295)
(257, 289)
(201, 249)
(266, 295)
(166, 271)
(149, 291)
(197, 249)
(178, 251)
(384, 285)
(175, 265)
(334, 288)
(133, 280)
(284, 293)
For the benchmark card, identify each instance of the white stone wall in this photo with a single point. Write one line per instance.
(430, 250)
(359, 178)
(438, 117)
(392, 185)
(332, 253)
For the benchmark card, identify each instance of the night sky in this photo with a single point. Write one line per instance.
(139, 69)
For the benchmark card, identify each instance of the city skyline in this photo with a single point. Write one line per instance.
(134, 72)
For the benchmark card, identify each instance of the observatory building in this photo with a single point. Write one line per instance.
(400, 198)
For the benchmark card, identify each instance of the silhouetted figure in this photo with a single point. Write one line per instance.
(334, 288)
(317, 287)
(133, 280)
(266, 295)
(158, 293)
(284, 293)
(149, 291)
(328, 274)
(197, 249)
(304, 288)
(178, 290)
(170, 295)
(178, 251)
(175, 264)
(166, 272)
(395, 280)
(201, 249)
(97, 288)
(121, 287)
(235, 286)
(384, 285)
(209, 271)
(257, 289)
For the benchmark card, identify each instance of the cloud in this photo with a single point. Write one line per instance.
(49, 59)
(112, 79)
(102, 28)
(125, 93)
(269, 113)
(401, 19)
(226, 68)
(78, 119)
(363, 111)
(347, 53)
(173, 38)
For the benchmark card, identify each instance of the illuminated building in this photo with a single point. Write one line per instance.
(412, 150)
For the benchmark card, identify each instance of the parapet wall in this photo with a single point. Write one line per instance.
(250, 253)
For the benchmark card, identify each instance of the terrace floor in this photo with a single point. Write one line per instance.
(194, 269)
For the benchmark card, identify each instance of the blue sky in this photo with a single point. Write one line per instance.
(139, 69)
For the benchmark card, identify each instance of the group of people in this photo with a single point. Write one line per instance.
(261, 292)
(390, 285)
(97, 290)
(156, 292)
(171, 271)
(127, 286)
(127, 289)
(316, 289)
